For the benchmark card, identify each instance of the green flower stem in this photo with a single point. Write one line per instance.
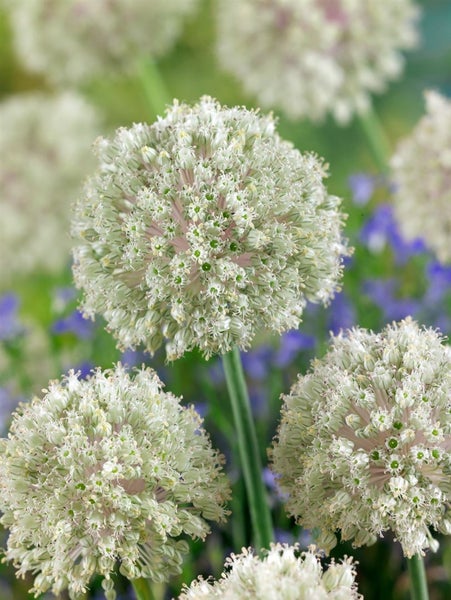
(248, 450)
(143, 589)
(377, 140)
(417, 574)
(157, 94)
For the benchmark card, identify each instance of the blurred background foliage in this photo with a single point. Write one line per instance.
(42, 334)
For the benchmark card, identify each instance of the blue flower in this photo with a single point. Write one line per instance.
(439, 280)
(362, 187)
(342, 313)
(291, 343)
(132, 358)
(75, 324)
(256, 363)
(9, 323)
(381, 230)
(383, 293)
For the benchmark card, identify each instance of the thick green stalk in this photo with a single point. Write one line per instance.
(417, 574)
(377, 140)
(157, 94)
(143, 589)
(248, 450)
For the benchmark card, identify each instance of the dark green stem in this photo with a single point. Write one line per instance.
(417, 574)
(248, 450)
(143, 589)
(157, 94)
(377, 140)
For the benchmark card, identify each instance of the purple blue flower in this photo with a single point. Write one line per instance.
(383, 293)
(74, 323)
(10, 326)
(291, 343)
(381, 230)
(342, 314)
(362, 187)
(256, 363)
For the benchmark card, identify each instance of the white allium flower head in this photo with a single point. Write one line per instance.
(44, 150)
(311, 57)
(73, 40)
(203, 227)
(364, 444)
(103, 470)
(421, 169)
(282, 574)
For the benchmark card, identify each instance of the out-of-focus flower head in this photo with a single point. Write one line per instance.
(342, 314)
(362, 187)
(312, 57)
(10, 326)
(203, 229)
(382, 229)
(44, 149)
(364, 445)
(74, 40)
(385, 294)
(283, 573)
(103, 470)
(74, 323)
(421, 170)
(291, 343)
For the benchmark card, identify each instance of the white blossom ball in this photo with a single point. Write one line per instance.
(313, 57)
(104, 470)
(421, 170)
(364, 444)
(70, 41)
(283, 573)
(45, 155)
(202, 228)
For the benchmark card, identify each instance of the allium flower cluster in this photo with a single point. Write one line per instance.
(311, 57)
(203, 227)
(74, 40)
(44, 145)
(364, 445)
(283, 574)
(421, 169)
(104, 470)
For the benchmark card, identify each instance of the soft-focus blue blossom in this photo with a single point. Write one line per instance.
(439, 281)
(291, 343)
(84, 368)
(381, 230)
(282, 536)
(62, 297)
(8, 402)
(269, 479)
(216, 371)
(256, 363)
(202, 408)
(132, 358)
(342, 314)
(362, 187)
(383, 293)
(74, 323)
(10, 326)
(258, 399)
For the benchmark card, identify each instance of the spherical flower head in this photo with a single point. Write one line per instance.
(421, 169)
(311, 57)
(282, 574)
(202, 228)
(103, 470)
(75, 40)
(44, 145)
(364, 445)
